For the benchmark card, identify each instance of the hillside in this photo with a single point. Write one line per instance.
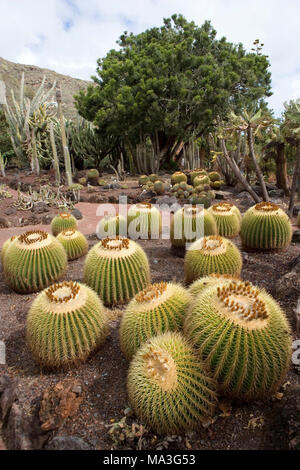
(11, 73)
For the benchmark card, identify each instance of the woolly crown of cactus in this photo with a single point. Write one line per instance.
(191, 223)
(5, 247)
(212, 254)
(244, 338)
(63, 221)
(144, 220)
(66, 322)
(117, 269)
(33, 261)
(266, 226)
(169, 388)
(178, 177)
(228, 219)
(158, 308)
(74, 242)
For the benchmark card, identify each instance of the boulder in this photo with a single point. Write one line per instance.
(67, 443)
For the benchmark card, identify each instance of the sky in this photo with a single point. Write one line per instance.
(68, 36)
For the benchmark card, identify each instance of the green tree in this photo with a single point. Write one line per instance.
(170, 83)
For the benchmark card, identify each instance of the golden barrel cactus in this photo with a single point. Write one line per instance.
(144, 220)
(190, 224)
(228, 219)
(74, 242)
(63, 221)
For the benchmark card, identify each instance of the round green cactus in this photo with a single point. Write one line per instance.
(157, 309)
(153, 178)
(197, 172)
(201, 179)
(212, 254)
(228, 219)
(6, 246)
(144, 220)
(211, 280)
(110, 226)
(66, 322)
(244, 338)
(33, 261)
(178, 177)
(265, 226)
(189, 224)
(169, 388)
(216, 184)
(82, 181)
(159, 187)
(143, 180)
(74, 243)
(63, 221)
(214, 176)
(117, 269)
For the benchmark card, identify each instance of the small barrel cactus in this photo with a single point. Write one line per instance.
(5, 247)
(33, 261)
(199, 285)
(212, 254)
(158, 308)
(228, 219)
(74, 242)
(244, 338)
(82, 181)
(190, 224)
(110, 226)
(214, 176)
(153, 178)
(178, 177)
(197, 172)
(265, 226)
(201, 179)
(66, 322)
(159, 187)
(143, 180)
(216, 185)
(169, 388)
(63, 221)
(144, 220)
(117, 269)
(93, 176)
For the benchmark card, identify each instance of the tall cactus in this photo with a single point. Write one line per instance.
(67, 159)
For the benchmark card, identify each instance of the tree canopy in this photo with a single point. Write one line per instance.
(170, 83)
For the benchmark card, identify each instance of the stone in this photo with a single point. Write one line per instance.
(167, 200)
(286, 426)
(10, 211)
(296, 236)
(296, 210)
(4, 222)
(223, 195)
(77, 214)
(46, 219)
(40, 208)
(276, 193)
(8, 397)
(286, 284)
(67, 443)
(246, 200)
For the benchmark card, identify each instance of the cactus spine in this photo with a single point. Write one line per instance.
(212, 254)
(158, 308)
(190, 224)
(168, 386)
(63, 221)
(74, 242)
(33, 261)
(244, 338)
(228, 219)
(66, 322)
(117, 269)
(265, 226)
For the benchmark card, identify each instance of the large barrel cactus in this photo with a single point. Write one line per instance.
(191, 223)
(66, 322)
(207, 281)
(63, 221)
(212, 254)
(5, 247)
(117, 269)
(228, 219)
(169, 388)
(74, 242)
(33, 261)
(266, 226)
(243, 336)
(144, 220)
(158, 308)
(178, 177)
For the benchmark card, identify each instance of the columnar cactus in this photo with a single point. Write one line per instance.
(63, 221)
(5, 247)
(178, 177)
(211, 280)
(157, 309)
(212, 254)
(117, 269)
(228, 219)
(265, 226)
(244, 338)
(191, 223)
(33, 261)
(144, 220)
(66, 322)
(169, 388)
(74, 242)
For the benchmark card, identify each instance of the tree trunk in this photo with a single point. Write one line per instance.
(237, 172)
(281, 169)
(295, 180)
(202, 154)
(258, 171)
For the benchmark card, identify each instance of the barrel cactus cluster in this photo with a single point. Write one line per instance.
(196, 186)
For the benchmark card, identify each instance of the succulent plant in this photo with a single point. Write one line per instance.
(157, 309)
(159, 187)
(63, 221)
(199, 285)
(216, 184)
(33, 261)
(190, 224)
(228, 219)
(169, 388)
(74, 243)
(144, 220)
(265, 226)
(199, 188)
(153, 178)
(201, 179)
(212, 254)
(110, 226)
(65, 324)
(5, 247)
(214, 176)
(117, 269)
(82, 181)
(93, 177)
(143, 180)
(178, 177)
(244, 338)
(197, 172)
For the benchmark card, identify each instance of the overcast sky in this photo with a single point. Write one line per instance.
(69, 35)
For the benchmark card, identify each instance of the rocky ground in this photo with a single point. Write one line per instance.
(87, 407)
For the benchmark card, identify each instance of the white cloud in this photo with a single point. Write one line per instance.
(70, 35)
